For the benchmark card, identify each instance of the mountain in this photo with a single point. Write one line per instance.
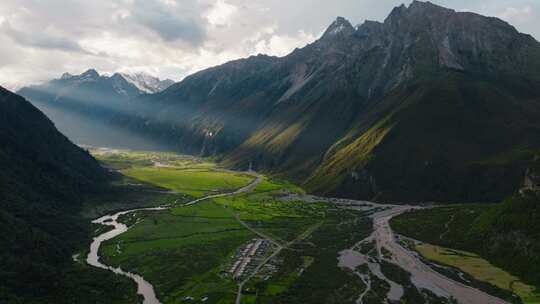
(44, 177)
(84, 106)
(429, 105)
(92, 90)
(147, 83)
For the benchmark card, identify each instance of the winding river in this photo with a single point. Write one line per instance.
(144, 288)
(422, 276)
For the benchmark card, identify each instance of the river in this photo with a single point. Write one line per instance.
(144, 288)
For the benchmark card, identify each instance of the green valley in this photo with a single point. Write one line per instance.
(188, 252)
(387, 162)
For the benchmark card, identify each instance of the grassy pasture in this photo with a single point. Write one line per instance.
(480, 269)
(194, 182)
(448, 227)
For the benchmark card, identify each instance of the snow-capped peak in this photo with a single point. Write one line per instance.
(147, 83)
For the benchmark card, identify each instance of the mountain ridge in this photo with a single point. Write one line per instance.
(436, 84)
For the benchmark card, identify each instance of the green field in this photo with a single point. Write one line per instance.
(480, 269)
(183, 174)
(455, 227)
(194, 182)
(123, 159)
(185, 251)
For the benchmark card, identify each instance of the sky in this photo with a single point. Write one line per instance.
(41, 39)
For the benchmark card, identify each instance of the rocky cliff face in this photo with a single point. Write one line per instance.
(532, 177)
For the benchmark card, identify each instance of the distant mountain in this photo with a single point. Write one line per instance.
(429, 105)
(84, 106)
(147, 83)
(91, 88)
(43, 178)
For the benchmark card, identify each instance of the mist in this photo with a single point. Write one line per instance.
(83, 130)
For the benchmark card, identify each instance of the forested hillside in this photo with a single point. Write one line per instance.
(44, 178)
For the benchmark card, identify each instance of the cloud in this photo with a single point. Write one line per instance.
(221, 13)
(281, 45)
(170, 20)
(512, 13)
(41, 40)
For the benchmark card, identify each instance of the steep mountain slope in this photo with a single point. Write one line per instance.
(432, 104)
(43, 178)
(507, 234)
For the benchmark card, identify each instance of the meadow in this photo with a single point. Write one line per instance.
(480, 269)
(185, 251)
(194, 182)
(446, 231)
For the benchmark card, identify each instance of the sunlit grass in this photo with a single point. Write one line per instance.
(480, 269)
(194, 182)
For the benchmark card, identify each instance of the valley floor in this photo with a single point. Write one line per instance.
(269, 244)
(438, 231)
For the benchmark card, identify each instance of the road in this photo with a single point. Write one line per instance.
(276, 252)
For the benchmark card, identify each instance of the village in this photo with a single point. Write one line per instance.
(248, 257)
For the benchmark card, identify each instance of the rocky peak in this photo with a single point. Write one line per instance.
(146, 83)
(66, 76)
(340, 27)
(427, 8)
(417, 12)
(91, 73)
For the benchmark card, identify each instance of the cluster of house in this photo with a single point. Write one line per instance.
(248, 257)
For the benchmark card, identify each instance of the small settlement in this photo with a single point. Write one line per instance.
(249, 256)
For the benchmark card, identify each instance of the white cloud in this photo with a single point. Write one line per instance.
(281, 45)
(221, 13)
(514, 13)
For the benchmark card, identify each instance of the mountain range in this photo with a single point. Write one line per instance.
(94, 94)
(429, 105)
(84, 106)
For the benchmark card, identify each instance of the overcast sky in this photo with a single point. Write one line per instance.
(41, 39)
